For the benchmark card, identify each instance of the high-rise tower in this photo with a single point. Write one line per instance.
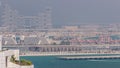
(12, 20)
(46, 18)
(8, 15)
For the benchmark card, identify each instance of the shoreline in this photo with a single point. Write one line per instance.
(68, 54)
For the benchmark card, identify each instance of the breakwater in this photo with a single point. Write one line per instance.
(89, 57)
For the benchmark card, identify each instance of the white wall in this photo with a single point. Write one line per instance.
(2, 60)
(9, 53)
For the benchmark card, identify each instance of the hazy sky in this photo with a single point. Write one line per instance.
(73, 11)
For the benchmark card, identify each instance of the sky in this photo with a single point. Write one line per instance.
(70, 12)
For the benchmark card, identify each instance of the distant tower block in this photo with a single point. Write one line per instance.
(0, 42)
(3, 2)
(8, 16)
(46, 19)
(13, 21)
(0, 3)
(48, 22)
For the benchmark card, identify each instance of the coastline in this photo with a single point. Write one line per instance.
(66, 54)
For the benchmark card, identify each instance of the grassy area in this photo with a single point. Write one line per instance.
(22, 62)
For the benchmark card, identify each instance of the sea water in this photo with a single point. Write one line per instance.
(54, 62)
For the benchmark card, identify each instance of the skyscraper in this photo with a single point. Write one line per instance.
(14, 21)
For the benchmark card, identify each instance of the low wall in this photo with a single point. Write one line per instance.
(13, 65)
(31, 66)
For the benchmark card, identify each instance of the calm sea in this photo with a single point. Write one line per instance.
(54, 62)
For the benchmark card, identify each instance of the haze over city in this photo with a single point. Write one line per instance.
(73, 11)
(59, 34)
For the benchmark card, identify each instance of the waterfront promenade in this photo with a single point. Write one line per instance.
(64, 53)
(58, 50)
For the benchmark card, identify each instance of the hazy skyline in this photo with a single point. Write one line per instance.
(73, 11)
